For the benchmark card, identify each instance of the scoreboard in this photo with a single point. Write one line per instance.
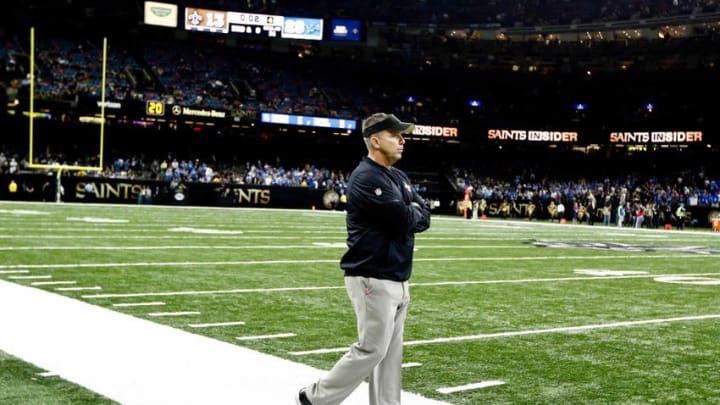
(202, 19)
(273, 26)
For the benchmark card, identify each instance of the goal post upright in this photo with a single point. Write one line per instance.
(102, 103)
(32, 94)
(31, 157)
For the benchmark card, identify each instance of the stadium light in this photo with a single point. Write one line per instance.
(581, 107)
(475, 103)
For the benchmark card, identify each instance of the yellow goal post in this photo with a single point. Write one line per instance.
(60, 167)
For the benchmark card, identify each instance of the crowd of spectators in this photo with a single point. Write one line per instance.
(210, 77)
(692, 187)
(693, 190)
(635, 200)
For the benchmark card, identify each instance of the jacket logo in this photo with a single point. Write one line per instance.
(378, 192)
(407, 187)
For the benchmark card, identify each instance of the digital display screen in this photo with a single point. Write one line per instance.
(303, 28)
(308, 121)
(345, 30)
(274, 26)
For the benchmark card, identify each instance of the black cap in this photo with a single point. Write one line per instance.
(391, 123)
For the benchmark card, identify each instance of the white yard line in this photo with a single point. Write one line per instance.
(94, 235)
(262, 337)
(538, 258)
(469, 387)
(245, 247)
(40, 283)
(178, 313)
(564, 329)
(210, 292)
(113, 235)
(211, 325)
(165, 264)
(138, 304)
(175, 247)
(558, 279)
(639, 255)
(341, 232)
(429, 284)
(44, 276)
(137, 362)
(93, 288)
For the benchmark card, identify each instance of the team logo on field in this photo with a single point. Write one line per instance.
(624, 247)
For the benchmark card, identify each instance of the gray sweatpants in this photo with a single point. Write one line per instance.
(381, 308)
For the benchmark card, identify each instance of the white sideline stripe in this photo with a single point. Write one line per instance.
(468, 387)
(411, 364)
(138, 304)
(430, 284)
(210, 325)
(640, 255)
(96, 287)
(135, 361)
(30, 277)
(178, 313)
(14, 271)
(53, 282)
(260, 337)
(563, 329)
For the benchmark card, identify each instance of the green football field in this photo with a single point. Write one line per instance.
(502, 312)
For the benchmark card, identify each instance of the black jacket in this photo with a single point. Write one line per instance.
(383, 214)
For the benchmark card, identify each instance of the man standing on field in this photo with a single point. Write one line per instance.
(383, 214)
